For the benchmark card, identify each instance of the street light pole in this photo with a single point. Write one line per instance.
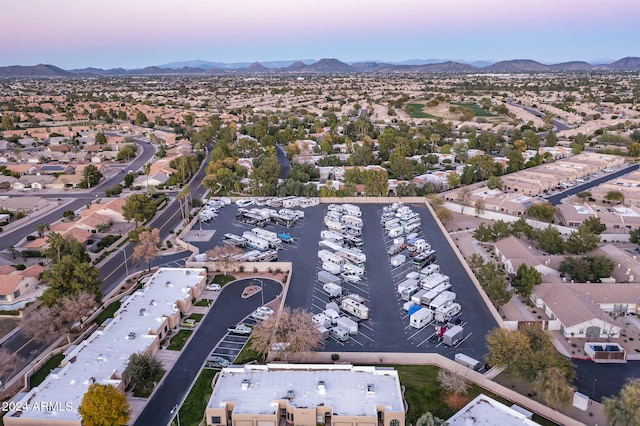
(593, 391)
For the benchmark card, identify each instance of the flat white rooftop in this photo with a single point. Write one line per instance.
(485, 411)
(348, 390)
(106, 352)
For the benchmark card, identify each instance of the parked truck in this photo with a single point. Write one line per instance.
(420, 318)
(348, 324)
(333, 290)
(355, 308)
(326, 277)
(446, 312)
(453, 336)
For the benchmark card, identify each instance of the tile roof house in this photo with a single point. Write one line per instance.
(28, 182)
(67, 181)
(14, 285)
(578, 313)
(512, 253)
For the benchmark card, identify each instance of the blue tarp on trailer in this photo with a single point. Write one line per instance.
(414, 309)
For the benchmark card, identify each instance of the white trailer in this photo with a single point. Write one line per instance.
(420, 318)
(429, 270)
(254, 241)
(328, 234)
(417, 296)
(352, 269)
(354, 256)
(326, 278)
(323, 254)
(333, 258)
(332, 314)
(270, 237)
(442, 299)
(332, 267)
(406, 283)
(352, 210)
(395, 232)
(452, 336)
(321, 319)
(334, 225)
(335, 208)
(333, 290)
(391, 224)
(324, 331)
(355, 308)
(348, 324)
(347, 219)
(398, 260)
(448, 311)
(334, 246)
(412, 227)
(407, 292)
(433, 281)
(430, 295)
(339, 334)
(408, 305)
(413, 275)
(468, 362)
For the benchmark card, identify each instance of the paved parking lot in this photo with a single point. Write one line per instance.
(387, 329)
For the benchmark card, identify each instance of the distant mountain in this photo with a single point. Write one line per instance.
(325, 65)
(517, 65)
(572, 66)
(256, 67)
(629, 63)
(39, 70)
(329, 65)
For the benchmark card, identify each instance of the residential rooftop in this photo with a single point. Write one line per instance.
(484, 410)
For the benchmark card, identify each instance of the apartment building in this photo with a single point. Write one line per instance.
(306, 394)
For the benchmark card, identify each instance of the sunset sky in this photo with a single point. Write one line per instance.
(139, 33)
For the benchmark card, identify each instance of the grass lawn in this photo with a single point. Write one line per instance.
(192, 411)
(423, 393)
(222, 279)
(108, 313)
(42, 373)
(477, 110)
(197, 317)
(415, 111)
(247, 355)
(203, 302)
(177, 342)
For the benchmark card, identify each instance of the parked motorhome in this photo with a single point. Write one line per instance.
(355, 308)
(352, 210)
(429, 270)
(331, 267)
(448, 311)
(432, 294)
(333, 290)
(339, 334)
(431, 281)
(234, 240)
(321, 319)
(328, 234)
(352, 269)
(347, 219)
(420, 318)
(423, 259)
(254, 241)
(326, 278)
(354, 256)
(442, 299)
(348, 324)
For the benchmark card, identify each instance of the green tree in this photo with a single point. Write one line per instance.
(614, 196)
(68, 277)
(634, 236)
(264, 177)
(428, 419)
(551, 139)
(101, 138)
(531, 139)
(601, 266)
(128, 180)
(634, 149)
(505, 348)
(494, 283)
(141, 118)
(576, 268)
(550, 240)
(104, 405)
(443, 214)
(127, 152)
(542, 211)
(526, 279)
(554, 387)
(59, 246)
(582, 240)
(376, 183)
(475, 262)
(92, 176)
(139, 208)
(583, 195)
(454, 180)
(624, 409)
(494, 182)
(143, 372)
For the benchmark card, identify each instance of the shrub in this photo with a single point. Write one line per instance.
(68, 214)
(31, 237)
(20, 267)
(335, 357)
(31, 253)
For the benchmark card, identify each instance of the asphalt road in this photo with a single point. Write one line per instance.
(559, 125)
(603, 380)
(229, 309)
(556, 199)
(285, 166)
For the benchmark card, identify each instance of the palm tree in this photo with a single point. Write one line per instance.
(183, 198)
(41, 228)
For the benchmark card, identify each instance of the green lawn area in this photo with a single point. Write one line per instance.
(192, 411)
(477, 110)
(203, 302)
(108, 313)
(177, 342)
(423, 393)
(222, 279)
(415, 111)
(197, 317)
(247, 355)
(42, 373)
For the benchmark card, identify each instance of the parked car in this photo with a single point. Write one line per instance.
(213, 287)
(262, 313)
(240, 329)
(189, 323)
(216, 362)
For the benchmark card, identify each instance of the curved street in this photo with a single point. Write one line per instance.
(229, 308)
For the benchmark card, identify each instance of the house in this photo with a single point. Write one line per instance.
(22, 204)
(67, 181)
(14, 285)
(306, 394)
(512, 253)
(156, 179)
(37, 182)
(576, 311)
(112, 210)
(93, 222)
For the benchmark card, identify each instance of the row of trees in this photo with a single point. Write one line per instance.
(549, 239)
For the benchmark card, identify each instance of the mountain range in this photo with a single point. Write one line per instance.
(327, 65)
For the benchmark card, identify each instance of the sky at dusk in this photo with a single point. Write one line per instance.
(138, 33)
